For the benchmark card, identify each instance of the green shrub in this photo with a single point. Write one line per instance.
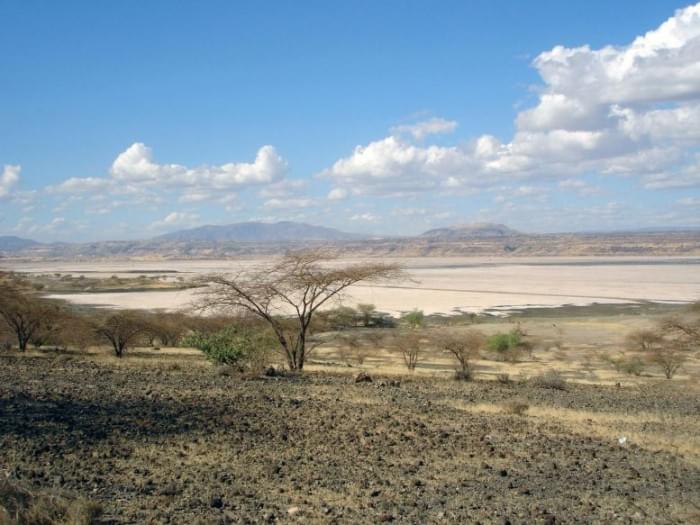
(502, 342)
(508, 346)
(230, 346)
(414, 318)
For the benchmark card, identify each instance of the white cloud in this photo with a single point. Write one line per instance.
(630, 110)
(289, 203)
(281, 189)
(393, 166)
(337, 194)
(686, 177)
(195, 196)
(420, 130)
(176, 219)
(135, 172)
(410, 212)
(8, 179)
(75, 185)
(135, 164)
(366, 217)
(579, 186)
(689, 201)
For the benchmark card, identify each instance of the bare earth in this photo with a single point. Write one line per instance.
(168, 440)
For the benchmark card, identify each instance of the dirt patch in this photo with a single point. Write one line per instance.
(185, 445)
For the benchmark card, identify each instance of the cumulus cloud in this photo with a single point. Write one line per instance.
(135, 164)
(421, 130)
(8, 179)
(135, 171)
(394, 166)
(176, 219)
(628, 110)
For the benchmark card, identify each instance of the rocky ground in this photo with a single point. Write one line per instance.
(174, 443)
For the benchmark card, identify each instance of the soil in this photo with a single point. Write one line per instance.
(173, 443)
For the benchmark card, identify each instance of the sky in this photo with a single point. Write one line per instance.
(129, 119)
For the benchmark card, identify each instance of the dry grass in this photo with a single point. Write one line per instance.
(22, 506)
(650, 430)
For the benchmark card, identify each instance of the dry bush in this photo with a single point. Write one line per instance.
(516, 407)
(550, 379)
(643, 340)
(672, 341)
(464, 375)
(410, 344)
(631, 365)
(122, 330)
(21, 506)
(167, 327)
(504, 379)
(669, 357)
(354, 347)
(463, 347)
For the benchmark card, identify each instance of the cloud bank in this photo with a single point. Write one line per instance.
(632, 110)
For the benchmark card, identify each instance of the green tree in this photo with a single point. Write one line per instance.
(414, 319)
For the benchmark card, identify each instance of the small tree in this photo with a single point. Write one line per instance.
(684, 329)
(340, 318)
(354, 346)
(366, 312)
(414, 319)
(411, 350)
(167, 328)
(121, 329)
(24, 315)
(288, 293)
(669, 357)
(644, 340)
(463, 347)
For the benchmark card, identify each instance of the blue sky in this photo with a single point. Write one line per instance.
(128, 119)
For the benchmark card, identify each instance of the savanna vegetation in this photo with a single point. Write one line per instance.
(281, 403)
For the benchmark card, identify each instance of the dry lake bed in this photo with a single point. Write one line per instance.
(437, 285)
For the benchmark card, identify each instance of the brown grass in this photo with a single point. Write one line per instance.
(22, 506)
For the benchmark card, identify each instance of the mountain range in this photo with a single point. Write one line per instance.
(259, 238)
(285, 231)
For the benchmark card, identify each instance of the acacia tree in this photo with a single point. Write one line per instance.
(673, 340)
(25, 316)
(121, 329)
(463, 347)
(287, 294)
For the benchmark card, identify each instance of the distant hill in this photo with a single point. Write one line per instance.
(478, 230)
(258, 239)
(10, 243)
(285, 231)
